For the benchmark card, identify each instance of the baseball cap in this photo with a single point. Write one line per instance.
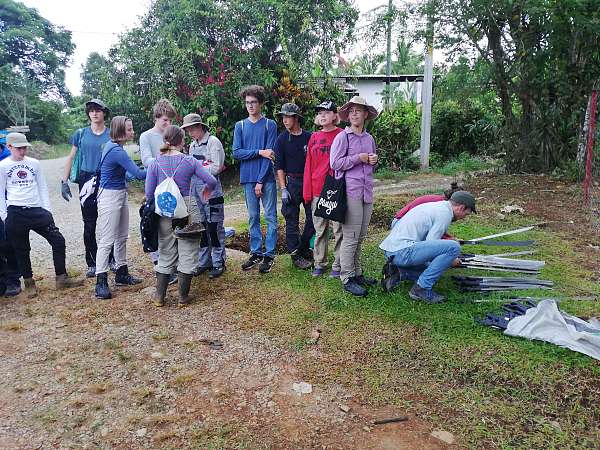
(17, 140)
(326, 106)
(464, 198)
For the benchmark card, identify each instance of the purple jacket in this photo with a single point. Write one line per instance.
(344, 159)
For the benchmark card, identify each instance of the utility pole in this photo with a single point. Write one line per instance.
(427, 93)
(388, 70)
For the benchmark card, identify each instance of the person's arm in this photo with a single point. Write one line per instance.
(307, 177)
(266, 164)
(146, 150)
(280, 161)
(339, 158)
(239, 153)
(42, 188)
(216, 156)
(150, 184)
(3, 206)
(125, 161)
(69, 164)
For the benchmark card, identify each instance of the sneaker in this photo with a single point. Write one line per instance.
(353, 287)
(335, 274)
(317, 272)
(426, 295)
(190, 231)
(267, 264)
(253, 260)
(300, 262)
(173, 278)
(216, 272)
(91, 272)
(365, 282)
(200, 270)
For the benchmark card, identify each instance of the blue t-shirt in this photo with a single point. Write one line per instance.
(114, 165)
(91, 147)
(247, 141)
(290, 152)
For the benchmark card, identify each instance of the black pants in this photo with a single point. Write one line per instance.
(19, 221)
(89, 215)
(9, 268)
(291, 212)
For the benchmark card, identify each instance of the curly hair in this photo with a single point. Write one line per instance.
(255, 91)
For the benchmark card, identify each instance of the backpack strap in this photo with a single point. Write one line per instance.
(175, 171)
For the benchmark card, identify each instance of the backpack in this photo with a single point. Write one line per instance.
(88, 194)
(167, 197)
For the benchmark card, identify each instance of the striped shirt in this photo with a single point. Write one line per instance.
(186, 166)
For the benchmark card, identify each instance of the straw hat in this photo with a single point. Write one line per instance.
(357, 100)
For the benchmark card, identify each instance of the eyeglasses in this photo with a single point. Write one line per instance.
(252, 102)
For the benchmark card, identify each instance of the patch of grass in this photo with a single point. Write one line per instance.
(183, 379)
(225, 436)
(435, 361)
(41, 150)
(11, 326)
(124, 357)
(162, 419)
(46, 416)
(162, 335)
(98, 389)
(386, 174)
(464, 163)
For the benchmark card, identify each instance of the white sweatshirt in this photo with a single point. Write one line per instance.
(22, 184)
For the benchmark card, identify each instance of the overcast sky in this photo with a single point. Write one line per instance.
(96, 25)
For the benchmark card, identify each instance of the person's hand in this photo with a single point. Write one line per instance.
(258, 190)
(285, 196)
(65, 190)
(206, 194)
(267, 153)
(364, 157)
(373, 158)
(456, 263)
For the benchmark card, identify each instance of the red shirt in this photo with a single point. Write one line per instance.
(317, 162)
(419, 201)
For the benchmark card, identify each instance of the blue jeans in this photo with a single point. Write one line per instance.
(269, 202)
(426, 261)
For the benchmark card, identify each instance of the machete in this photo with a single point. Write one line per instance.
(500, 243)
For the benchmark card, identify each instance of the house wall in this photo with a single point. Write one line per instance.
(372, 90)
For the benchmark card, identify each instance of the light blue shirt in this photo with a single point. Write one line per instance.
(425, 222)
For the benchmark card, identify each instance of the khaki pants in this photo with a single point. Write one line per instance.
(113, 228)
(174, 254)
(322, 240)
(354, 230)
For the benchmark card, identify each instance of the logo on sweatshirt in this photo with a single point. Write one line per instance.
(22, 174)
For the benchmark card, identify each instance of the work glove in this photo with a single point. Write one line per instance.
(285, 196)
(65, 190)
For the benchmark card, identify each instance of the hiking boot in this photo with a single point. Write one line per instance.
(267, 264)
(190, 231)
(102, 289)
(91, 272)
(253, 260)
(318, 271)
(200, 270)
(64, 282)
(216, 272)
(301, 262)
(12, 290)
(426, 295)
(30, 289)
(172, 279)
(185, 281)
(353, 287)
(124, 278)
(335, 274)
(162, 282)
(364, 281)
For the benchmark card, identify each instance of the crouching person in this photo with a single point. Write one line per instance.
(25, 206)
(416, 251)
(168, 181)
(208, 150)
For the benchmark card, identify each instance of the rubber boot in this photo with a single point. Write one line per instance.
(184, 281)
(162, 282)
(64, 282)
(102, 289)
(30, 289)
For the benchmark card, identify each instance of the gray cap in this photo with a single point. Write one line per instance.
(464, 198)
(17, 140)
(100, 103)
(290, 109)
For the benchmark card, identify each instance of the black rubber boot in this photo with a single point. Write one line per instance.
(102, 289)
(162, 282)
(184, 282)
(123, 278)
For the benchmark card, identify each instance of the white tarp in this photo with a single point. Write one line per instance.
(547, 323)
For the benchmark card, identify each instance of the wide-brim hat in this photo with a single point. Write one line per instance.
(357, 100)
(193, 119)
(100, 103)
(17, 140)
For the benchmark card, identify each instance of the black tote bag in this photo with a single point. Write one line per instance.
(332, 204)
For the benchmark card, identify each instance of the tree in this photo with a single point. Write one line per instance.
(91, 75)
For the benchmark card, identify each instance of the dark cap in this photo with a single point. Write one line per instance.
(464, 198)
(290, 109)
(326, 106)
(100, 103)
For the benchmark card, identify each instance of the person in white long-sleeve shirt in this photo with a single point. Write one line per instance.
(25, 206)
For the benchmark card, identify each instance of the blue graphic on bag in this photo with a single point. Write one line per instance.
(167, 203)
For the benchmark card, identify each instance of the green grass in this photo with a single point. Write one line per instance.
(41, 150)
(435, 361)
(464, 163)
